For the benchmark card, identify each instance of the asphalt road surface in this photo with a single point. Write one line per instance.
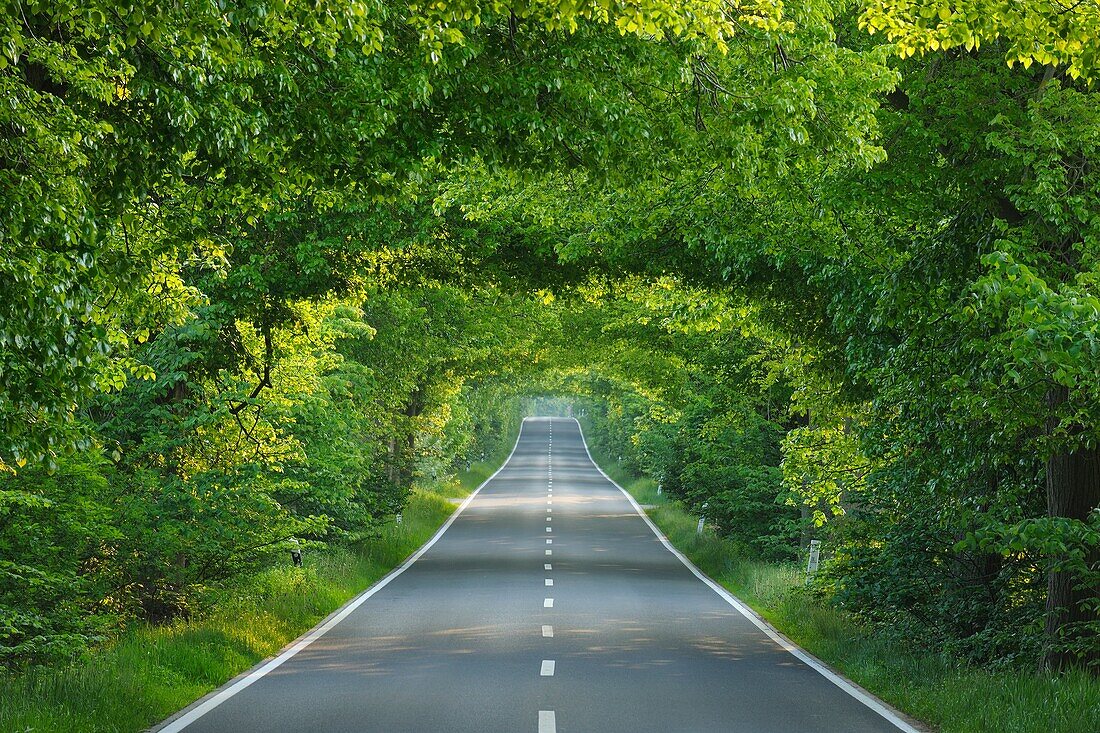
(548, 604)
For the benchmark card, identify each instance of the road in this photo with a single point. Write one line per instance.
(548, 604)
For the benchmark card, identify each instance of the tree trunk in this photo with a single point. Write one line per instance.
(806, 529)
(391, 464)
(1073, 492)
(414, 407)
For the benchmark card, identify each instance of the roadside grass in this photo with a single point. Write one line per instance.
(150, 672)
(932, 688)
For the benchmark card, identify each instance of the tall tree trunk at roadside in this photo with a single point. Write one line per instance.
(1073, 492)
(414, 407)
(806, 528)
(391, 460)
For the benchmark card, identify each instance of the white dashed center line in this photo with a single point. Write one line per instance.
(548, 631)
(548, 603)
(547, 724)
(549, 581)
(549, 542)
(547, 566)
(547, 668)
(549, 552)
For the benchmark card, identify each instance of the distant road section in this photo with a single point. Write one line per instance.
(547, 604)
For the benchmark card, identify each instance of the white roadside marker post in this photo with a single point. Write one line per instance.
(813, 561)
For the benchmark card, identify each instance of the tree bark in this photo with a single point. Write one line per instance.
(414, 407)
(807, 530)
(1073, 492)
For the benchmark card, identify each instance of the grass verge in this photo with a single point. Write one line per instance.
(150, 672)
(951, 697)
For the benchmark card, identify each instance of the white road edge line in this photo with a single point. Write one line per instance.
(200, 708)
(547, 723)
(867, 699)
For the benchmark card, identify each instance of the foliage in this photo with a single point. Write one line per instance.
(1036, 31)
(267, 269)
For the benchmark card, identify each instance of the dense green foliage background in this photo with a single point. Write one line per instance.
(264, 267)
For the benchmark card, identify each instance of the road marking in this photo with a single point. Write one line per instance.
(548, 529)
(547, 668)
(549, 552)
(549, 542)
(547, 566)
(549, 501)
(815, 664)
(548, 631)
(549, 581)
(549, 519)
(203, 706)
(547, 602)
(547, 723)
